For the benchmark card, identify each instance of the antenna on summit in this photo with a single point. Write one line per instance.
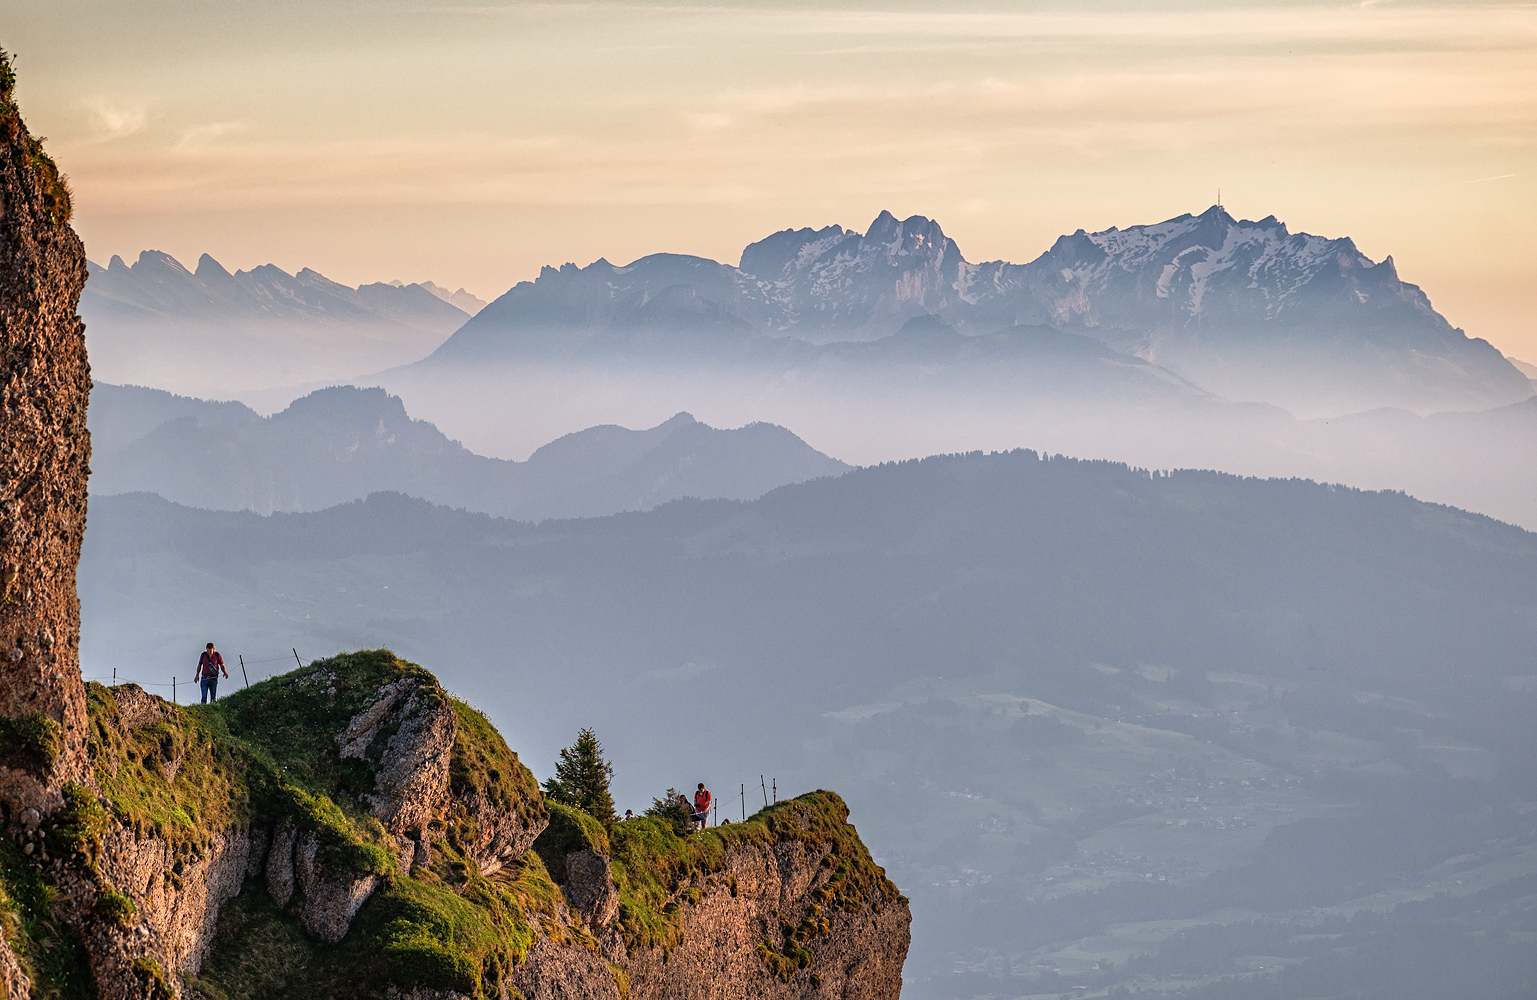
(1219, 198)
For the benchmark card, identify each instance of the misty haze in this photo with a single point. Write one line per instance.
(738, 501)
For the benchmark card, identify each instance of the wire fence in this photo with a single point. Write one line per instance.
(768, 786)
(176, 684)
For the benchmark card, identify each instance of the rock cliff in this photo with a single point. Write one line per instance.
(350, 830)
(44, 450)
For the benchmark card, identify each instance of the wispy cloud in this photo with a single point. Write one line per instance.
(117, 121)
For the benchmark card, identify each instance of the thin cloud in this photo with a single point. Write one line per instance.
(113, 121)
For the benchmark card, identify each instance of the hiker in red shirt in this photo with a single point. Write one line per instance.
(701, 813)
(209, 666)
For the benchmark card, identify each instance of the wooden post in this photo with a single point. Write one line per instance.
(296, 658)
(764, 785)
(776, 789)
(242, 671)
(173, 689)
(744, 803)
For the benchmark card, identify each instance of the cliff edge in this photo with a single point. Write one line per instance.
(350, 830)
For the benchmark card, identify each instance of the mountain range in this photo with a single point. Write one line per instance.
(156, 322)
(343, 443)
(1247, 310)
(1109, 729)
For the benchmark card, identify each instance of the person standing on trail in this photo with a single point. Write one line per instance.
(701, 813)
(209, 666)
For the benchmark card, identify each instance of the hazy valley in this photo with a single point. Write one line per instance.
(1109, 729)
(1083, 713)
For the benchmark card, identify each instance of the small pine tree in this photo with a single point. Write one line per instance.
(582, 777)
(670, 808)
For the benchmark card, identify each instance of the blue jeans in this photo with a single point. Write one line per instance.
(210, 689)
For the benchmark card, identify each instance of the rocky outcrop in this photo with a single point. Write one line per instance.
(786, 905)
(756, 909)
(407, 732)
(794, 908)
(44, 452)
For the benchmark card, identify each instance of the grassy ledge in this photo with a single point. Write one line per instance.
(659, 871)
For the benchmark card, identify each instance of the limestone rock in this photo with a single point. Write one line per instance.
(860, 957)
(552, 972)
(176, 894)
(590, 888)
(408, 732)
(329, 901)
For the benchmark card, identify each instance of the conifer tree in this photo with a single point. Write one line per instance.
(582, 777)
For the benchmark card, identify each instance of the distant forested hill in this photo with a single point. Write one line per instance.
(342, 443)
(1074, 702)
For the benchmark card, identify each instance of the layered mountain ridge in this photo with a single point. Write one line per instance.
(1247, 309)
(158, 285)
(343, 443)
(208, 330)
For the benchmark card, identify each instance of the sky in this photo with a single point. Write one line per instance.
(471, 143)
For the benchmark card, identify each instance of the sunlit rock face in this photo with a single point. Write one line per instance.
(44, 460)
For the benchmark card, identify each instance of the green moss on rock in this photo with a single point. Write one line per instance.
(653, 866)
(182, 778)
(49, 952)
(484, 767)
(570, 830)
(31, 743)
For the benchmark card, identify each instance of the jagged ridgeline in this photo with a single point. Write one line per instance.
(352, 830)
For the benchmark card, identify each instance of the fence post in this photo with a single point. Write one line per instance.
(242, 671)
(114, 677)
(296, 658)
(776, 789)
(744, 803)
(764, 785)
(173, 690)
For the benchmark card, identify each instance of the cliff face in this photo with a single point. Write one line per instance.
(44, 451)
(788, 904)
(350, 830)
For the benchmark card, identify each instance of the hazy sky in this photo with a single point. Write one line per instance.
(470, 143)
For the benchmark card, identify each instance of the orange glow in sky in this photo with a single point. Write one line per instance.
(471, 143)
